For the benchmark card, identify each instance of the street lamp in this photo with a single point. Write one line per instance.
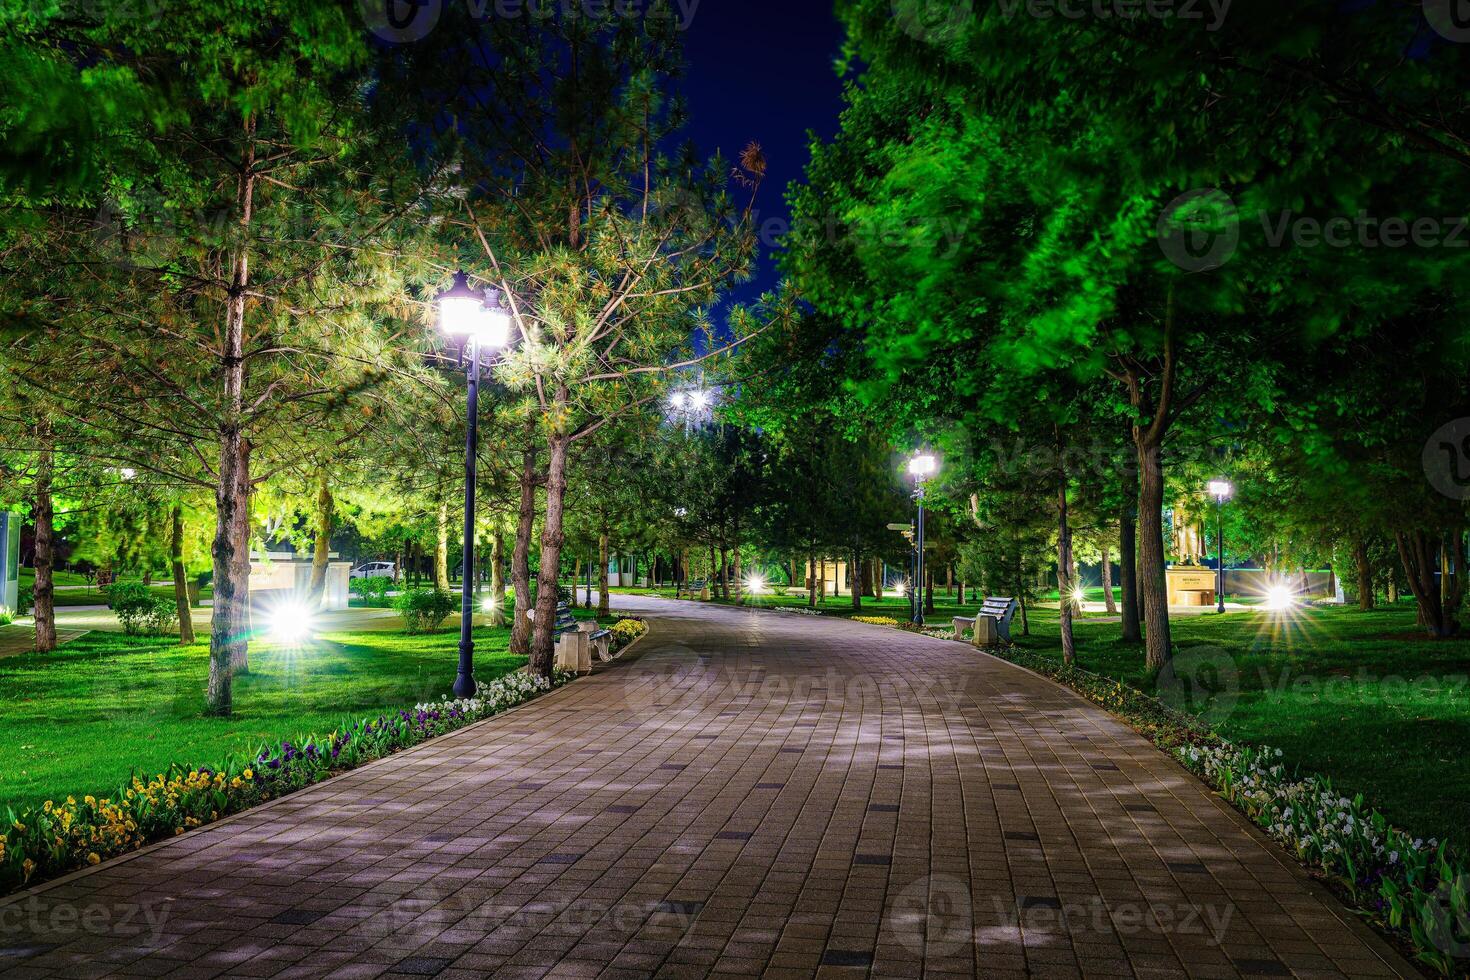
(692, 406)
(921, 468)
(1220, 489)
(481, 320)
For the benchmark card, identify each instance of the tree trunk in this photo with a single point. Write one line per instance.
(321, 548)
(1110, 603)
(603, 608)
(855, 563)
(240, 653)
(441, 547)
(576, 583)
(181, 583)
(1364, 569)
(1151, 556)
(497, 578)
(735, 573)
(1128, 567)
(228, 639)
(1021, 601)
(43, 593)
(1453, 570)
(811, 581)
(711, 582)
(1064, 565)
(552, 538)
(520, 562)
(724, 573)
(1417, 556)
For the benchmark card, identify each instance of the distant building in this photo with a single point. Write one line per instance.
(9, 561)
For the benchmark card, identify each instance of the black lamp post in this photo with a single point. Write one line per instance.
(921, 467)
(482, 322)
(1221, 490)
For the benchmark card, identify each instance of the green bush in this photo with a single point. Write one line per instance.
(6, 616)
(372, 591)
(140, 611)
(424, 609)
(25, 600)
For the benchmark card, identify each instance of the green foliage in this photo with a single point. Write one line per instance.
(372, 591)
(141, 611)
(25, 599)
(423, 610)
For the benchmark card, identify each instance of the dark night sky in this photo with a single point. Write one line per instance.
(762, 70)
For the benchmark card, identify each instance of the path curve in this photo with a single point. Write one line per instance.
(747, 792)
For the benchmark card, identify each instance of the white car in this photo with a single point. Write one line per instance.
(375, 569)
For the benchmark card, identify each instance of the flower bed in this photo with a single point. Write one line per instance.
(626, 630)
(54, 838)
(1416, 891)
(876, 620)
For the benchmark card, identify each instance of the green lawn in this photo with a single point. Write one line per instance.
(28, 577)
(82, 719)
(90, 596)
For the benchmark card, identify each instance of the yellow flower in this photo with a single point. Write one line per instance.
(90, 800)
(92, 858)
(20, 827)
(27, 868)
(248, 774)
(71, 801)
(46, 807)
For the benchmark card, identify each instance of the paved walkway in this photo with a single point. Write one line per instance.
(745, 793)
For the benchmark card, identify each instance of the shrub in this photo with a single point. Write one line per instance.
(372, 591)
(25, 600)
(780, 590)
(6, 616)
(140, 611)
(424, 609)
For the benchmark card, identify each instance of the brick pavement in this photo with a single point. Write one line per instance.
(747, 793)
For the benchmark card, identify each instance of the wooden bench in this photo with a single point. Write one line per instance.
(690, 588)
(990, 623)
